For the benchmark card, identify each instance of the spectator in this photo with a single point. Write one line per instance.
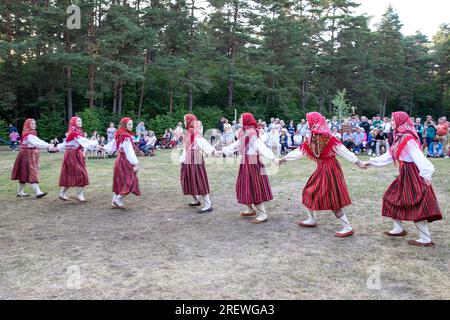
(14, 140)
(419, 128)
(347, 139)
(437, 149)
(140, 129)
(12, 128)
(430, 134)
(365, 125)
(358, 140)
(284, 142)
(220, 125)
(291, 130)
(111, 132)
(380, 141)
(336, 134)
(302, 129)
(377, 122)
(334, 124)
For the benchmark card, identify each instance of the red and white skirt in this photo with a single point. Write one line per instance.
(125, 180)
(326, 189)
(73, 169)
(26, 166)
(252, 183)
(409, 198)
(194, 179)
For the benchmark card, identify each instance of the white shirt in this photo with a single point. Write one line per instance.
(199, 143)
(340, 150)
(127, 147)
(32, 141)
(411, 153)
(255, 146)
(80, 141)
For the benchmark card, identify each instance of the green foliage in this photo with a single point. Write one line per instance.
(3, 129)
(342, 106)
(51, 125)
(91, 120)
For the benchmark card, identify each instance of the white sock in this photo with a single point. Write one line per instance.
(64, 191)
(21, 189)
(425, 236)
(119, 201)
(398, 227)
(250, 209)
(36, 188)
(261, 212)
(346, 227)
(195, 199)
(80, 193)
(207, 202)
(311, 218)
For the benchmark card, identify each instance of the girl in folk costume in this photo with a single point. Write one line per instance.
(193, 176)
(410, 197)
(73, 169)
(326, 189)
(125, 180)
(26, 167)
(252, 184)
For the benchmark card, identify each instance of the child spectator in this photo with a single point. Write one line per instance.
(14, 140)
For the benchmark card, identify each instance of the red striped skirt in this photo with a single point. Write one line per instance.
(125, 180)
(409, 198)
(194, 179)
(252, 184)
(73, 169)
(326, 189)
(26, 166)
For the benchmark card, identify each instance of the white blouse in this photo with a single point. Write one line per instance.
(256, 146)
(411, 153)
(31, 141)
(199, 143)
(340, 150)
(81, 141)
(126, 146)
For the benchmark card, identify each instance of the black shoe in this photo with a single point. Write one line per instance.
(22, 195)
(41, 195)
(205, 211)
(198, 204)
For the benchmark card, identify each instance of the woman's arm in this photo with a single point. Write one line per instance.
(38, 143)
(86, 143)
(231, 149)
(111, 147)
(128, 149)
(205, 146)
(426, 168)
(264, 151)
(343, 152)
(294, 155)
(381, 161)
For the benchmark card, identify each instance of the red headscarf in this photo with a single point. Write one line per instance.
(26, 131)
(318, 124)
(74, 132)
(192, 130)
(404, 131)
(250, 128)
(123, 133)
(321, 142)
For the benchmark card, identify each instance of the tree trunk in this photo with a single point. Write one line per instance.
(230, 85)
(171, 99)
(91, 77)
(69, 93)
(119, 98)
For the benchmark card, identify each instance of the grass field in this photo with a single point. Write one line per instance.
(161, 249)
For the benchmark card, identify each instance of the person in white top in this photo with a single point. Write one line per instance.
(125, 179)
(26, 166)
(193, 176)
(326, 189)
(410, 197)
(73, 169)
